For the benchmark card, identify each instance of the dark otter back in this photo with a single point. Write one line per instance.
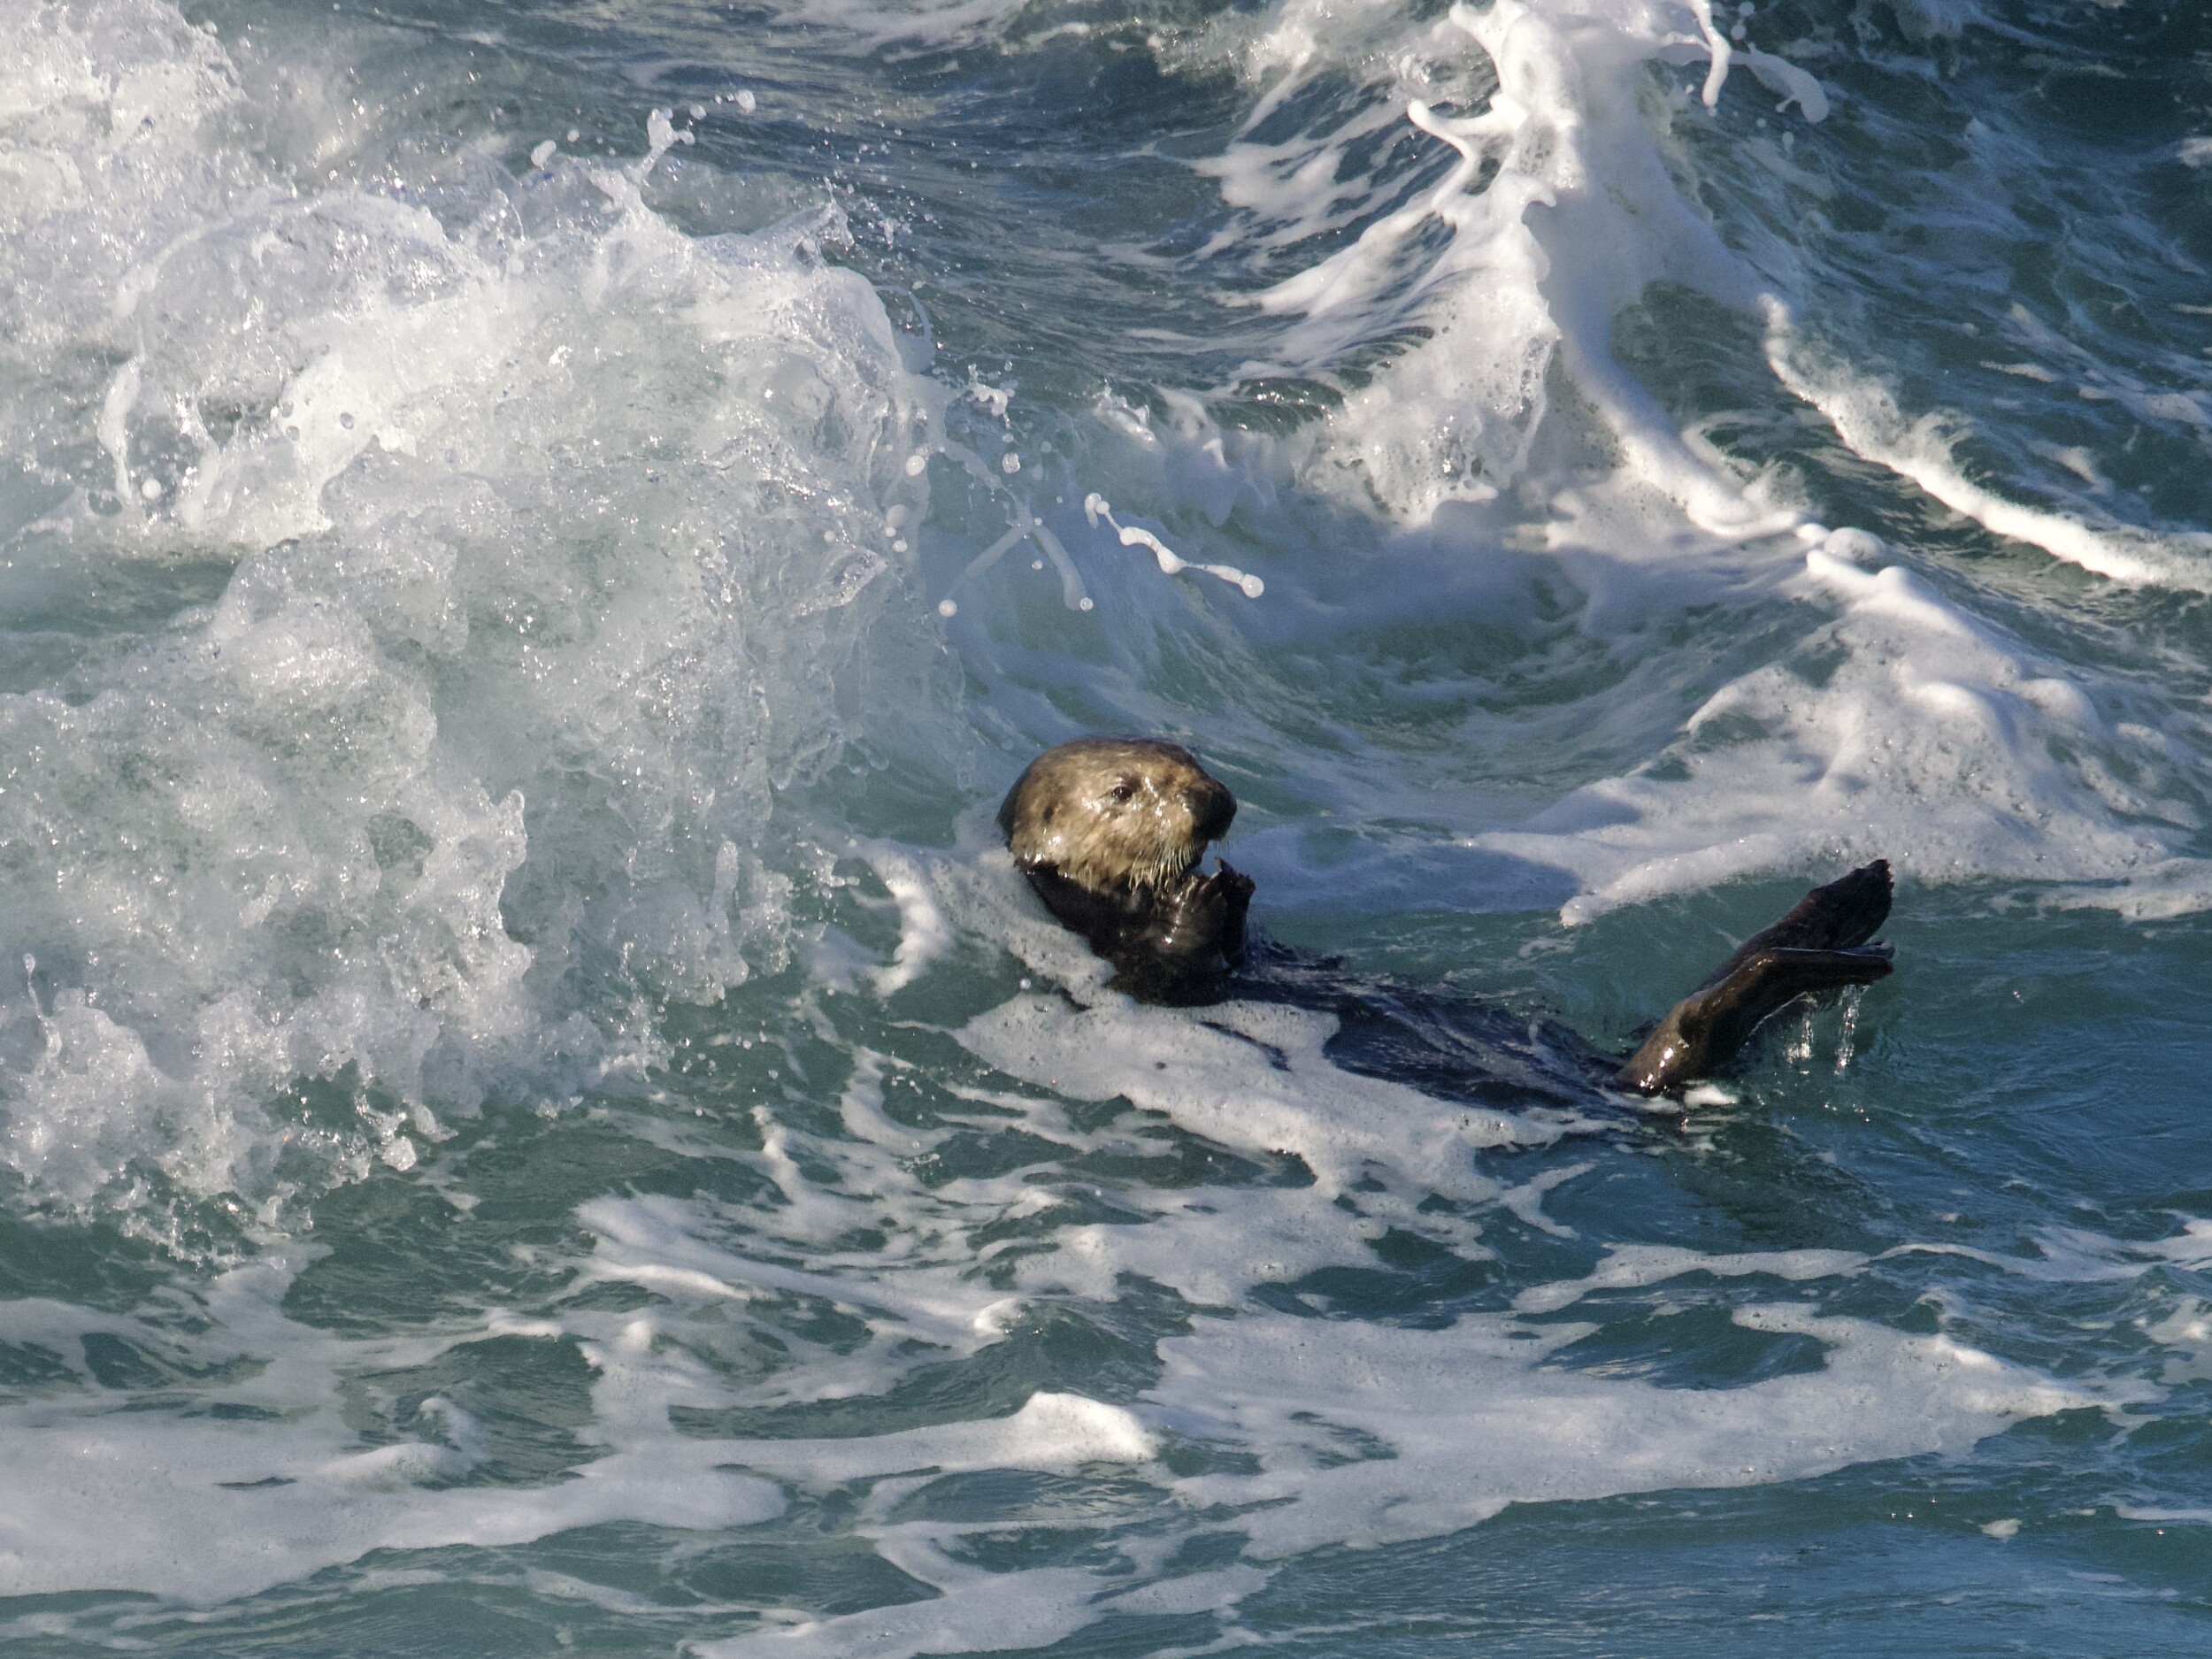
(1455, 1046)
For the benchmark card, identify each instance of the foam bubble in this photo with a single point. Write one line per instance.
(1171, 562)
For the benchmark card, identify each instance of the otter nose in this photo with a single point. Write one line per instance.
(1212, 809)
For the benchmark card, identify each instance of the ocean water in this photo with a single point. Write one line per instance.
(536, 1118)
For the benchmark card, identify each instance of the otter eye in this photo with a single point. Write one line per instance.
(1122, 793)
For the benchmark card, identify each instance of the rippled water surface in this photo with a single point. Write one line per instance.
(536, 1116)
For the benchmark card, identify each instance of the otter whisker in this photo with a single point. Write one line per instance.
(1170, 867)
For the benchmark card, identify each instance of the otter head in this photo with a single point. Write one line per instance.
(1125, 815)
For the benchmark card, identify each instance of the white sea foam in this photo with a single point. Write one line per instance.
(1051, 1432)
(205, 1505)
(561, 540)
(977, 1612)
(1558, 212)
(2074, 1255)
(488, 715)
(1362, 1433)
(654, 1242)
(1867, 418)
(974, 1612)
(1632, 1266)
(1448, 1427)
(1556, 200)
(1244, 1074)
(1934, 740)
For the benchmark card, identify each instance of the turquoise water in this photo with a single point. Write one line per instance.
(538, 1118)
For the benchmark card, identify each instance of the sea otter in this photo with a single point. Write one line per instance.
(1109, 832)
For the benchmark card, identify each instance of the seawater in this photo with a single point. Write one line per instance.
(536, 1116)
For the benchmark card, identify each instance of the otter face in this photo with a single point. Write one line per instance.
(1115, 814)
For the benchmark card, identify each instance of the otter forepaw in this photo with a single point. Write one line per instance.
(1236, 889)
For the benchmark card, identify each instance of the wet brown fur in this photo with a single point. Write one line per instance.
(1109, 831)
(1820, 945)
(1115, 813)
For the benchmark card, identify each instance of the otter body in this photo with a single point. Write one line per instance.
(1109, 832)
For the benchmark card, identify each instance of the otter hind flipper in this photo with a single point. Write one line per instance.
(1821, 945)
(1775, 978)
(1840, 915)
(1705, 1030)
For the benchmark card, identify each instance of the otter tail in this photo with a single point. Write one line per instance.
(1819, 946)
